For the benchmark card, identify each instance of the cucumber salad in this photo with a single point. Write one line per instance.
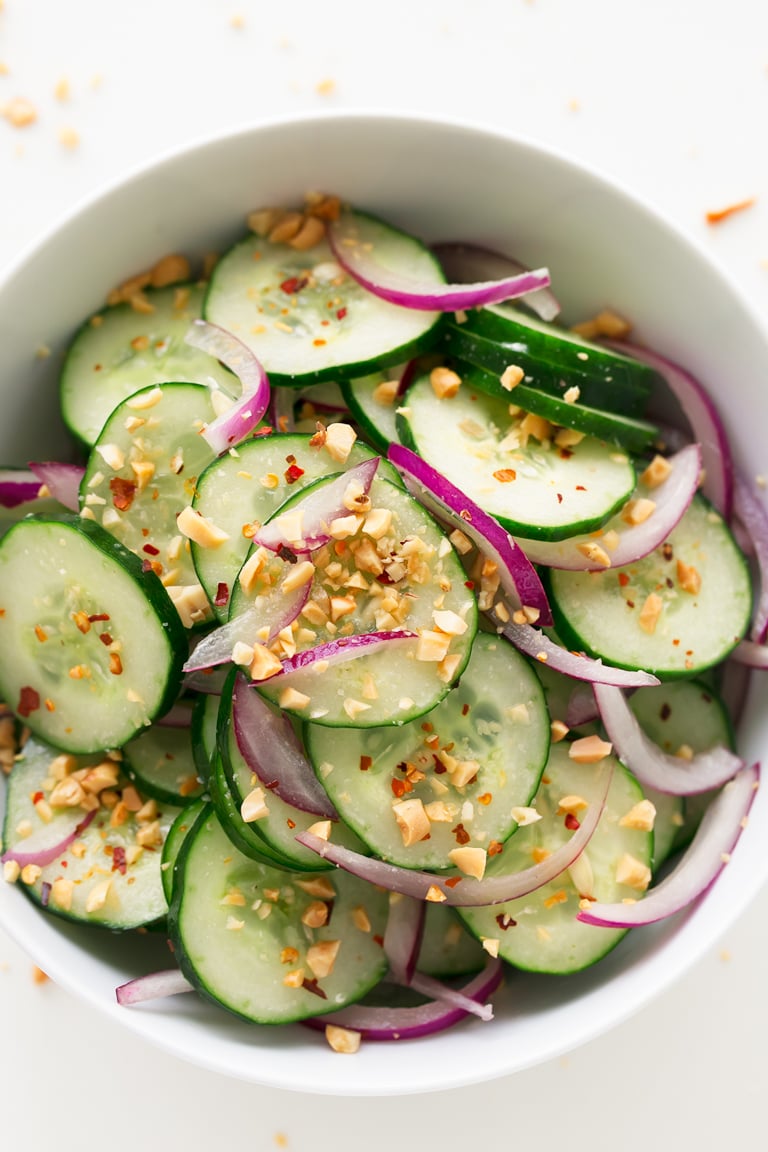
(379, 635)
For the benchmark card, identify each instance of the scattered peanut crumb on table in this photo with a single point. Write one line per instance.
(720, 214)
(69, 138)
(97, 80)
(237, 21)
(574, 104)
(4, 69)
(4, 966)
(325, 87)
(19, 112)
(281, 1140)
(725, 955)
(38, 976)
(62, 91)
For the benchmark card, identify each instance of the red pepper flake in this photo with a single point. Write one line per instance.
(123, 492)
(150, 550)
(313, 986)
(504, 921)
(465, 709)
(427, 726)
(97, 616)
(466, 515)
(378, 940)
(494, 848)
(115, 664)
(265, 431)
(319, 343)
(37, 797)
(721, 214)
(485, 799)
(29, 701)
(400, 787)
(291, 824)
(580, 488)
(667, 551)
(293, 473)
(559, 497)
(452, 881)
(341, 313)
(571, 823)
(119, 863)
(505, 475)
(461, 834)
(566, 453)
(623, 579)
(49, 704)
(294, 284)
(221, 599)
(365, 763)
(106, 639)
(469, 584)
(287, 554)
(665, 712)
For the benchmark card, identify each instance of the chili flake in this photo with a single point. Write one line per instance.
(29, 701)
(123, 492)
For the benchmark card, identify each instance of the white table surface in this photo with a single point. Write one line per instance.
(669, 98)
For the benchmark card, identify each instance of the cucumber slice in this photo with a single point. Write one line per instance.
(184, 823)
(306, 320)
(245, 837)
(447, 948)
(204, 716)
(162, 763)
(532, 488)
(625, 431)
(552, 358)
(539, 932)
(392, 685)
(105, 877)
(279, 828)
(143, 471)
(91, 647)
(600, 612)
(494, 720)
(119, 351)
(677, 714)
(375, 416)
(235, 491)
(241, 934)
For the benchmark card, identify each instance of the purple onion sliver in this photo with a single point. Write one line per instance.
(18, 486)
(752, 514)
(318, 509)
(437, 990)
(468, 893)
(376, 1023)
(179, 716)
(751, 654)
(539, 646)
(705, 421)
(152, 987)
(519, 578)
(582, 707)
(344, 648)
(704, 860)
(45, 856)
(465, 263)
(62, 481)
(653, 767)
(237, 422)
(403, 935)
(356, 257)
(269, 746)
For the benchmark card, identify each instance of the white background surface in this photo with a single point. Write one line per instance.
(669, 99)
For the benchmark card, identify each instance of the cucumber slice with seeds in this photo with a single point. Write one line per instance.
(162, 763)
(91, 647)
(649, 614)
(532, 488)
(306, 320)
(119, 351)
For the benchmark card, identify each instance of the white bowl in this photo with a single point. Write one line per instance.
(440, 180)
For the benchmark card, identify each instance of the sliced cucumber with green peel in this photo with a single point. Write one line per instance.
(241, 936)
(247, 487)
(204, 717)
(447, 948)
(391, 783)
(393, 582)
(143, 471)
(105, 876)
(162, 763)
(642, 616)
(91, 647)
(532, 488)
(119, 351)
(539, 932)
(184, 823)
(307, 320)
(245, 837)
(552, 358)
(376, 416)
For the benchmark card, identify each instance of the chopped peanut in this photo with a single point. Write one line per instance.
(688, 578)
(412, 821)
(254, 806)
(200, 529)
(511, 377)
(470, 861)
(594, 553)
(650, 613)
(523, 815)
(315, 914)
(633, 872)
(321, 957)
(656, 473)
(642, 817)
(637, 511)
(589, 750)
(339, 439)
(445, 383)
(264, 664)
(342, 1040)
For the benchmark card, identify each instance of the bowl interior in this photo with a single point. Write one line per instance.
(442, 181)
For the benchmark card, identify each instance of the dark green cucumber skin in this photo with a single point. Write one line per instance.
(493, 356)
(245, 837)
(181, 827)
(633, 434)
(151, 586)
(203, 756)
(362, 419)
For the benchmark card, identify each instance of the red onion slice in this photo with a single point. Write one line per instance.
(437, 990)
(44, 856)
(468, 892)
(653, 767)
(239, 421)
(18, 486)
(582, 707)
(179, 716)
(519, 578)
(403, 935)
(318, 509)
(356, 254)
(376, 1023)
(751, 654)
(216, 647)
(753, 517)
(152, 987)
(706, 424)
(269, 746)
(465, 263)
(672, 499)
(709, 852)
(62, 481)
(539, 646)
(342, 649)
